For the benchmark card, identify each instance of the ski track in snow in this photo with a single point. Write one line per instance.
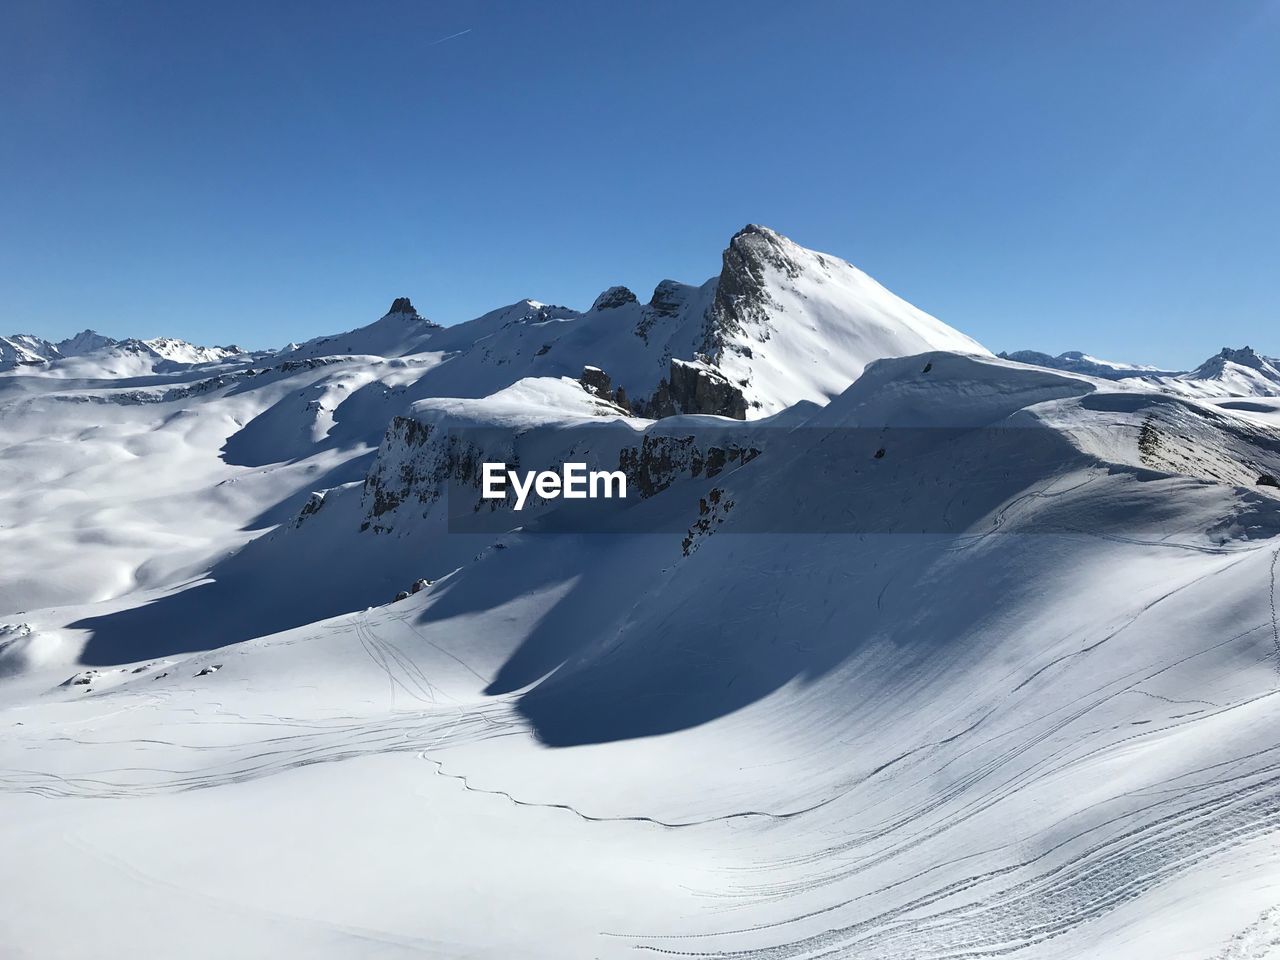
(992, 911)
(872, 748)
(1275, 624)
(590, 818)
(1258, 941)
(1003, 910)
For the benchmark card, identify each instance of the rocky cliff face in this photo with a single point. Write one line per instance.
(661, 459)
(437, 450)
(742, 299)
(669, 297)
(414, 465)
(436, 453)
(696, 387)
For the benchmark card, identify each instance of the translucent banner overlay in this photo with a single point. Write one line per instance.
(749, 479)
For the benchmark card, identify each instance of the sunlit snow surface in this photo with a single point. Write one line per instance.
(1042, 728)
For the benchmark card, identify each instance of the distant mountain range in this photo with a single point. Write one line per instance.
(23, 349)
(756, 347)
(1231, 372)
(779, 324)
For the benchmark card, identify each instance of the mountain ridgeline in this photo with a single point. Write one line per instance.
(778, 325)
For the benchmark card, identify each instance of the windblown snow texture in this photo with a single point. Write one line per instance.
(1035, 720)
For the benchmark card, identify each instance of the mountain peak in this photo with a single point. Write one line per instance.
(668, 297)
(1215, 366)
(755, 245)
(756, 230)
(1245, 356)
(741, 294)
(28, 349)
(402, 305)
(613, 297)
(85, 341)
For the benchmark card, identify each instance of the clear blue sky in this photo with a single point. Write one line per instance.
(1094, 174)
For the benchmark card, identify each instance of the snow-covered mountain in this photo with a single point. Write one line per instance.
(89, 354)
(899, 649)
(779, 324)
(1077, 362)
(24, 348)
(400, 331)
(1230, 373)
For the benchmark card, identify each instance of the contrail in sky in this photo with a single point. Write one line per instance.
(452, 36)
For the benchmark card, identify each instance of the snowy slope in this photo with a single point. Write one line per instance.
(400, 331)
(134, 469)
(179, 351)
(941, 655)
(1013, 737)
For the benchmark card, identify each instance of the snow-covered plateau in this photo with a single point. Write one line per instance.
(904, 649)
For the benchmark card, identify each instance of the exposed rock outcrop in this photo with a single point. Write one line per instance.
(612, 298)
(1244, 356)
(742, 298)
(406, 467)
(596, 381)
(696, 387)
(668, 297)
(314, 504)
(661, 460)
(712, 510)
(599, 384)
(402, 305)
